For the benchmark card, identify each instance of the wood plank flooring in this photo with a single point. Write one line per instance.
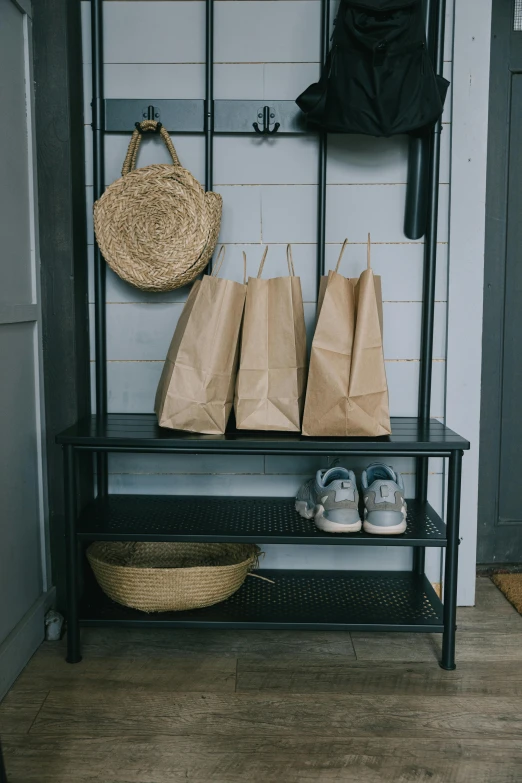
(164, 706)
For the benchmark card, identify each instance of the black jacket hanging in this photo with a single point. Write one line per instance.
(378, 79)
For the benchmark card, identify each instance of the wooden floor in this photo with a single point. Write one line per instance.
(167, 706)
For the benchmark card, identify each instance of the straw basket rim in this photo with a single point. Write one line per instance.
(175, 587)
(253, 558)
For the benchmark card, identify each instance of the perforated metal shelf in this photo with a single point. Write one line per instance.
(327, 600)
(258, 520)
(140, 432)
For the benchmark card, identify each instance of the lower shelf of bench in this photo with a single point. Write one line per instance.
(306, 600)
(256, 520)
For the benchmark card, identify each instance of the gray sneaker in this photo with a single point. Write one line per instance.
(384, 505)
(332, 500)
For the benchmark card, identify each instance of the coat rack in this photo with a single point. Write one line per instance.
(213, 117)
(398, 601)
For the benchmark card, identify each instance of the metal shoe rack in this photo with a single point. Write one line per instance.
(331, 600)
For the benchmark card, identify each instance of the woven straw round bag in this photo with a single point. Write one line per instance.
(155, 226)
(165, 576)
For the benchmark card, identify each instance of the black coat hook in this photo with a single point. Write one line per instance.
(266, 116)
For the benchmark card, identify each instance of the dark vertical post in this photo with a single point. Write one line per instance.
(430, 248)
(62, 230)
(452, 561)
(419, 158)
(417, 187)
(209, 101)
(98, 127)
(71, 544)
(437, 22)
(323, 150)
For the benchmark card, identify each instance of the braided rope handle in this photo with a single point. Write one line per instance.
(132, 153)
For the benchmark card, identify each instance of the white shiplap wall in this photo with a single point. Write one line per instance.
(264, 49)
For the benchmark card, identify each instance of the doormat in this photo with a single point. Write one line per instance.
(511, 586)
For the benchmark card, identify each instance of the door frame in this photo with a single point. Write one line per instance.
(62, 222)
(25, 637)
(494, 279)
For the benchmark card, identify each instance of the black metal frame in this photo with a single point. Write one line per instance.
(84, 528)
(106, 433)
(98, 146)
(436, 21)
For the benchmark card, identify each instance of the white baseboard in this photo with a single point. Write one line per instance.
(23, 641)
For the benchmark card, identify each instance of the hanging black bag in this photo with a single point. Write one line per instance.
(378, 79)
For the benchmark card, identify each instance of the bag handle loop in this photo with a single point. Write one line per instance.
(290, 260)
(219, 261)
(261, 265)
(341, 255)
(147, 126)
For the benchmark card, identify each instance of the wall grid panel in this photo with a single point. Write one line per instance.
(263, 49)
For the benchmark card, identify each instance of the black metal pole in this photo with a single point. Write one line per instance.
(430, 247)
(323, 152)
(100, 330)
(209, 101)
(452, 561)
(73, 628)
(437, 22)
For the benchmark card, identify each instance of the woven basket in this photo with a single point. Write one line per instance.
(161, 577)
(155, 226)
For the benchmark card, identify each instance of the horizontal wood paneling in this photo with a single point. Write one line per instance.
(250, 160)
(399, 265)
(132, 386)
(142, 332)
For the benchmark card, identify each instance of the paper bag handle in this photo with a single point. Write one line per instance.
(219, 261)
(261, 265)
(368, 253)
(219, 264)
(341, 255)
(290, 260)
(132, 153)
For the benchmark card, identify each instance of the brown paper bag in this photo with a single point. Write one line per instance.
(347, 392)
(272, 366)
(196, 388)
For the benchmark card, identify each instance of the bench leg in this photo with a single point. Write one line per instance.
(452, 561)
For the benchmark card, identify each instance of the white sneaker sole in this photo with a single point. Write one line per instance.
(381, 530)
(324, 524)
(301, 506)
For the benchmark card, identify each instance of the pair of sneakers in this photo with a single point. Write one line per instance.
(331, 498)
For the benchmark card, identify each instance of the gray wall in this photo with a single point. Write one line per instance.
(472, 36)
(265, 49)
